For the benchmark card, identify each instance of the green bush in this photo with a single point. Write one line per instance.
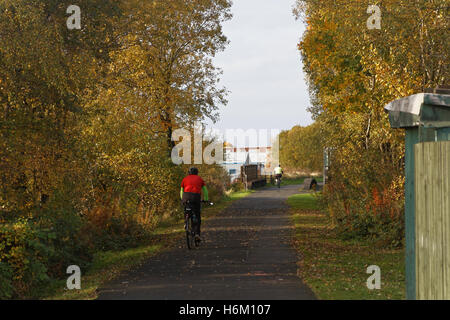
(121, 233)
(237, 186)
(359, 217)
(6, 285)
(34, 251)
(38, 245)
(23, 250)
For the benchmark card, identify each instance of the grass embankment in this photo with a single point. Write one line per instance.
(109, 264)
(336, 268)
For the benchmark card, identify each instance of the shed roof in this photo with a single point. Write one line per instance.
(423, 109)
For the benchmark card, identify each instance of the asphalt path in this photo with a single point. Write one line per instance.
(246, 253)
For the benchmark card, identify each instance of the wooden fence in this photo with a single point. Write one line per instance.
(432, 202)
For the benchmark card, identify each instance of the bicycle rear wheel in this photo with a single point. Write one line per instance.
(195, 229)
(189, 233)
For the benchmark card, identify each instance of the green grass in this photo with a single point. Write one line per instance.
(335, 268)
(105, 266)
(300, 180)
(284, 182)
(237, 195)
(303, 201)
(109, 264)
(291, 181)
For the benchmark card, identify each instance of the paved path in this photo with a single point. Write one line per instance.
(246, 254)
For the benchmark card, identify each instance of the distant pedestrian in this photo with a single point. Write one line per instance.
(313, 185)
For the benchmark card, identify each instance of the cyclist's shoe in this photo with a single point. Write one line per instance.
(197, 238)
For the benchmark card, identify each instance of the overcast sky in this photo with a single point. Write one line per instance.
(262, 67)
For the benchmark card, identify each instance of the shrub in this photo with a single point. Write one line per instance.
(23, 251)
(373, 215)
(237, 186)
(6, 285)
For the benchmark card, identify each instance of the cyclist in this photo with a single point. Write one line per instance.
(278, 172)
(191, 189)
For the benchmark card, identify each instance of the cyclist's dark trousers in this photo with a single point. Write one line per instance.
(194, 202)
(278, 176)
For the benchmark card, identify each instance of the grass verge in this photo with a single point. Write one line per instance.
(285, 182)
(291, 181)
(109, 264)
(298, 180)
(336, 269)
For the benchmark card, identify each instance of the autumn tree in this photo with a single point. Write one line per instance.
(86, 121)
(162, 77)
(301, 148)
(353, 72)
(44, 70)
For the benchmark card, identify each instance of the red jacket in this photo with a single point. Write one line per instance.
(192, 183)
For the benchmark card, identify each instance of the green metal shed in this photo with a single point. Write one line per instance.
(426, 118)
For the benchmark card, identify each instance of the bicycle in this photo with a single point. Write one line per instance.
(190, 224)
(278, 182)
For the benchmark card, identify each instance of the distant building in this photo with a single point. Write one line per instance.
(237, 157)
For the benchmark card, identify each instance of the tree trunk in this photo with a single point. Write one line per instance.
(170, 142)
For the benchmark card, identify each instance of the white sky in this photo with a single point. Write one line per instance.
(262, 68)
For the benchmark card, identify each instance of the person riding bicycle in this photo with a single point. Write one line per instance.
(191, 189)
(278, 172)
